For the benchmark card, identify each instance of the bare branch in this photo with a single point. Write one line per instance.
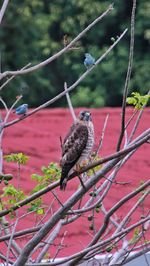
(48, 227)
(69, 103)
(102, 135)
(3, 9)
(116, 207)
(130, 63)
(55, 56)
(96, 246)
(2, 257)
(49, 241)
(12, 77)
(4, 104)
(13, 243)
(120, 154)
(130, 119)
(123, 222)
(136, 255)
(146, 136)
(7, 116)
(58, 214)
(74, 85)
(109, 214)
(24, 232)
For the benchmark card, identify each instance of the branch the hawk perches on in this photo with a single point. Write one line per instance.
(77, 145)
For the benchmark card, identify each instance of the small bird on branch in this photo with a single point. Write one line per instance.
(77, 146)
(21, 110)
(89, 60)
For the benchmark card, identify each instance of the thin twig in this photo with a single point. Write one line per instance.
(56, 197)
(15, 246)
(55, 56)
(127, 81)
(116, 207)
(21, 233)
(49, 241)
(123, 222)
(71, 202)
(60, 245)
(145, 136)
(136, 255)
(102, 135)
(4, 104)
(12, 243)
(131, 118)
(96, 246)
(69, 103)
(74, 85)
(12, 77)
(8, 114)
(2, 257)
(109, 214)
(3, 9)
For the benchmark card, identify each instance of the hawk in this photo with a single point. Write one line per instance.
(76, 146)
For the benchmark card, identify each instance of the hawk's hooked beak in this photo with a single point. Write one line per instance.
(87, 116)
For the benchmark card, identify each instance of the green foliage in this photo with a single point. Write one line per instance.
(86, 97)
(12, 195)
(36, 206)
(138, 100)
(37, 33)
(18, 158)
(50, 174)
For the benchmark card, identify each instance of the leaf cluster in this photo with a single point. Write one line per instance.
(19, 158)
(138, 100)
(50, 174)
(12, 195)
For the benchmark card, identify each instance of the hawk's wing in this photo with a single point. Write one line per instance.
(72, 148)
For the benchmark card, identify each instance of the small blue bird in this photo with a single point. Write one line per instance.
(89, 60)
(21, 110)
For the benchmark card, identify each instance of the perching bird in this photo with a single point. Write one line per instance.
(89, 60)
(22, 109)
(77, 146)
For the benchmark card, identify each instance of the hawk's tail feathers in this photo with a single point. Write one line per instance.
(63, 183)
(64, 175)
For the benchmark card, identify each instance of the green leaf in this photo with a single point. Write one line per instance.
(139, 101)
(40, 211)
(19, 158)
(34, 206)
(36, 177)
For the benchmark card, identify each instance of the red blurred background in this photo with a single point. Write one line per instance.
(38, 137)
